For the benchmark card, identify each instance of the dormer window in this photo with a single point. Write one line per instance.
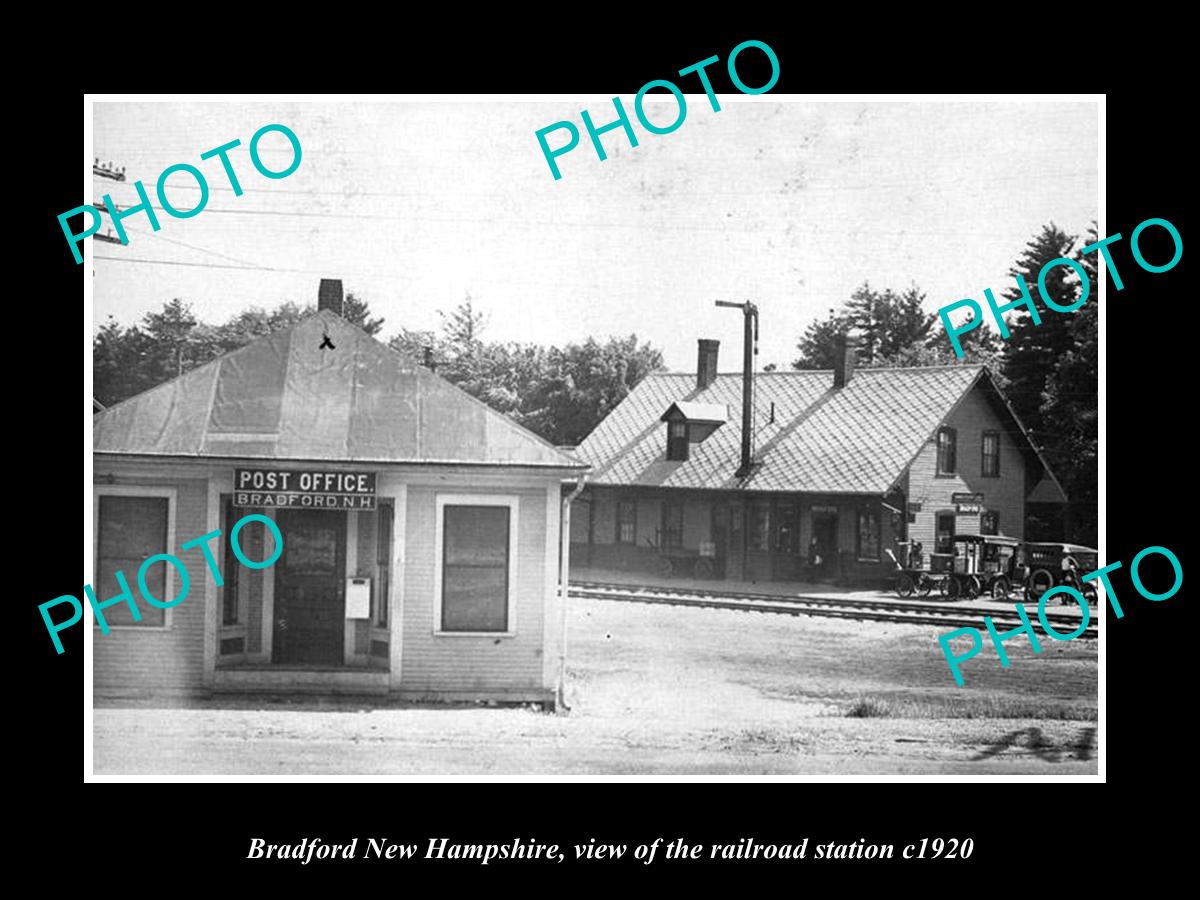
(677, 440)
(691, 423)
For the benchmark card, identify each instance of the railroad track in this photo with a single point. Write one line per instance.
(881, 610)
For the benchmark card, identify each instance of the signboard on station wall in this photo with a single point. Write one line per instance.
(967, 503)
(303, 489)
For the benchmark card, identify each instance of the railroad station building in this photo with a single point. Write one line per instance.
(838, 467)
(421, 531)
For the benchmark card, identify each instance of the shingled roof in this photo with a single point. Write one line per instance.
(857, 440)
(284, 397)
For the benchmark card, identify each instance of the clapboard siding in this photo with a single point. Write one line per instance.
(1005, 494)
(444, 663)
(130, 662)
(139, 663)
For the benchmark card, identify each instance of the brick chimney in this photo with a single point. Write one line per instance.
(843, 365)
(706, 363)
(329, 295)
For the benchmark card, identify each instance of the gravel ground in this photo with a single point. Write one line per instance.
(671, 691)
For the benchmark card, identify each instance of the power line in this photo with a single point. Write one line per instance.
(366, 273)
(928, 184)
(162, 237)
(763, 228)
(203, 265)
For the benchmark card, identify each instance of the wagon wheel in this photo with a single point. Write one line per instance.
(974, 587)
(1039, 582)
(704, 567)
(905, 586)
(1000, 588)
(943, 585)
(926, 585)
(664, 567)
(954, 590)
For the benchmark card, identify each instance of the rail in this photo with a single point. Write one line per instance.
(861, 609)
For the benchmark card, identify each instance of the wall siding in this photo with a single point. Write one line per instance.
(134, 662)
(1005, 494)
(139, 663)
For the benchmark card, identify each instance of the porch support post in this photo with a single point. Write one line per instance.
(212, 615)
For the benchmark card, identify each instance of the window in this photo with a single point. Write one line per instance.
(868, 532)
(787, 530)
(383, 559)
(989, 523)
(944, 537)
(627, 522)
(474, 582)
(677, 440)
(760, 527)
(991, 454)
(947, 450)
(231, 568)
(133, 524)
(672, 524)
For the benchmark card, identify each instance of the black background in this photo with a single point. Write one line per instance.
(1021, 830)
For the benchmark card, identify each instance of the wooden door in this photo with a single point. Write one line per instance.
(310, 580)
(825, 530)
(735, 543)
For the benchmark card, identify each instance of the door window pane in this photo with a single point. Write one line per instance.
(945, 532)
(672, 524)
(787, 538)
(627, 522)
(868, 532)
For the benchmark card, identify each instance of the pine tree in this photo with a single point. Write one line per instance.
(817, 345)
(1032, 350)
(177, 346)
(463, 326)
(884, 324)
(357, 312)
(867, 312)
(1070, 405)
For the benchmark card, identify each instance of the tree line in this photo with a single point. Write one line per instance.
(559, 393)
(1049, 371)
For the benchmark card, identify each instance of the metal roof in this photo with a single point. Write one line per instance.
(699, 412)
(858, 439)
(283, 396)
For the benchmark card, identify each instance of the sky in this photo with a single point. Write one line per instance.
(788, 203)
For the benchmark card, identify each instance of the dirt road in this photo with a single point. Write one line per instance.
(666, 691)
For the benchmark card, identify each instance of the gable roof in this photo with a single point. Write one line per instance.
(697, 412)
(856, 440)
(282, 397)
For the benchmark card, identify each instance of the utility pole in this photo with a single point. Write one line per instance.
(749, 361)
(108, 170)
(107, 237)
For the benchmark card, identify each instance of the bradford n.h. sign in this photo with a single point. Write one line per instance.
(303, 488)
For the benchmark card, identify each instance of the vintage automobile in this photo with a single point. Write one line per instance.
(1050, 565)
(984, 564)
